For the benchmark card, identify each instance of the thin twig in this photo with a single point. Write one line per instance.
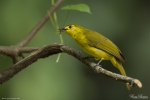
(59, 48)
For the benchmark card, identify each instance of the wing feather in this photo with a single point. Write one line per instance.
(101, 42)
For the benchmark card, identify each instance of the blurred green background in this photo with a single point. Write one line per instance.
(126, 23)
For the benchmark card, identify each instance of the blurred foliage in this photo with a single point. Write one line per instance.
(126, 23)
(79, 7)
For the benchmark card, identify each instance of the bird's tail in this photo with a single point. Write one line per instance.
(119, 66)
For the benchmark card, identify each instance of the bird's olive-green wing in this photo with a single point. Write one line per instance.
(99, 41)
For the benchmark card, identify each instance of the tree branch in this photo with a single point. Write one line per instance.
(52, 49)
(14, 51)
(17, 50)
(40, 24)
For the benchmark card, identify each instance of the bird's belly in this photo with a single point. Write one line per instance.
(97, 53)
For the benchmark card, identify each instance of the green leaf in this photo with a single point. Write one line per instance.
(78, 7)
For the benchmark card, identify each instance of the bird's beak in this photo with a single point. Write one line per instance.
(62, 30)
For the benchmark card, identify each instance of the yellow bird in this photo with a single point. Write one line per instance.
(96, 45)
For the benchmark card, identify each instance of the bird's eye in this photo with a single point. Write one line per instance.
(70, 26)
